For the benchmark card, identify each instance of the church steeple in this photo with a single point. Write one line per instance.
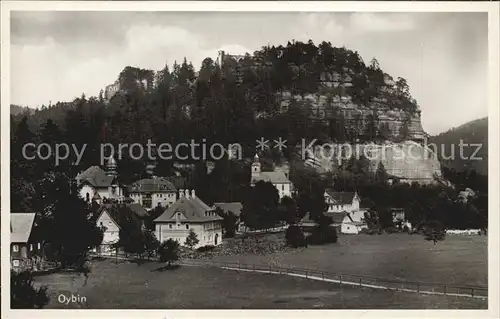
(111, 167)
(256, 167)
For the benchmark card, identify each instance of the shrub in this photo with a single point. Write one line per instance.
(169, 251)
(322, 235)
(206, 248)
(369, 231)
(23, 294)
(294, 237)
(391, 230)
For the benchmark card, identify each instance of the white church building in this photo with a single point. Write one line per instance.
(98, 184)
(277, 178)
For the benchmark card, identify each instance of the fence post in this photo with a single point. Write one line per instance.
(418, 287)
(360, 282)
(254, 267)
(445, 290)
(472, 292)
(340, 277)
(323, 276)
(306, 274)
(269, 268)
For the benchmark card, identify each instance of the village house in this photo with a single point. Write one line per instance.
(24, 247)
(344, 210)
(153, 192)
(341, 201)
(111, 219)
(186, 214)
(279, 179)
(98, 184)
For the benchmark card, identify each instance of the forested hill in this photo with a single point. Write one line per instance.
(474, 132)
(295, 91)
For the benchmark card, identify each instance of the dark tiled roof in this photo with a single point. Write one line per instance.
(134, 208)
(234, 207)
(193, 210)
(152, 185)
(273, 177)
(96, 177)
(138, 209)
(341, 197)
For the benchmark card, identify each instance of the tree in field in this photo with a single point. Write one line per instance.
(192, 239)
(69, 228)
(287, 211)
(151, 243)
(260, 206)
(23, 294)
(434, 231)
(294, 237)
(131, 236)
(169, 251)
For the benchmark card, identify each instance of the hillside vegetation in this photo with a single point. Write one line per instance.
(474, 132)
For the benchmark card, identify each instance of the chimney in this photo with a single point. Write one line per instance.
(193, 194)
(181, 193)
(186, 193)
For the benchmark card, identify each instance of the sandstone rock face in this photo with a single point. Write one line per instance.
(323, 105)
(408, 161)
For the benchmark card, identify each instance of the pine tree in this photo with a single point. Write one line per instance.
(192, 239)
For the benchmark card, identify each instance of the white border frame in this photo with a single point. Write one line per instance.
(493, 113)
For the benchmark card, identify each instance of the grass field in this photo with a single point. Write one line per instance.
(128, 285)
(460, 260)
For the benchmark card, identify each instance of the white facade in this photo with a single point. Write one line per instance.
(335, 207)
(349, 226)
(87, 192)
(284, 189)
(156, 199)
(208, 233)
(111, 233)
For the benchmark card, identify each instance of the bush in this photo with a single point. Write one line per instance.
(391, 230)
(206, 248)
(294, 237)
(322, 235)
(369, 231)
(24, 295)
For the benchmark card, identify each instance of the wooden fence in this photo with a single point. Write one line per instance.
(351, 280)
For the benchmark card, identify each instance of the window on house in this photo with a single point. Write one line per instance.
(87, 197)
(283, 187)
(170, 226)
(187, 226)
(31, 247)
(16, 263)
(178, 225)
(15, 248)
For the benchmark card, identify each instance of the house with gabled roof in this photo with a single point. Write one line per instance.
(111, 218)
(97, 184)
(344, 210)
(341, 201)
(189, 213)
(23, 243)
(153, 192)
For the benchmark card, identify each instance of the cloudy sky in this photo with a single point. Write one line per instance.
(57, 56)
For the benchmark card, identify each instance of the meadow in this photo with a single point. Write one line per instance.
(458, 260)
(126, 285)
